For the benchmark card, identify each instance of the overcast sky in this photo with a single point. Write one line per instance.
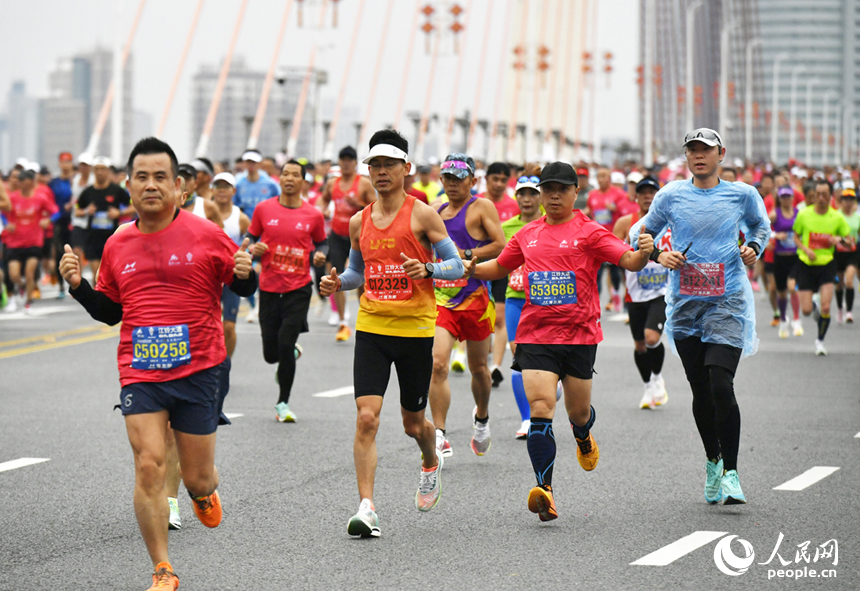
(36, 33)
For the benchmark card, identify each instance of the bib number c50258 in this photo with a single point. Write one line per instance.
(160, 347)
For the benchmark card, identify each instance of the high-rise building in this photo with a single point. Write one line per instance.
(23, 120)
(813, 46)
(238, 107)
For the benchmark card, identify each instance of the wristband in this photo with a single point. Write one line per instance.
(655, 254)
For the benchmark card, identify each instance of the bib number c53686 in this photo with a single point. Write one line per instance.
(552, 288)
(160, 347)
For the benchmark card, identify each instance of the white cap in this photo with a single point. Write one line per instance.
(101, 161)
(848, 184)
(617, 178)
(634, 177)
(32, 167)
(85, 158)
(526, 185)
(309, 177)
(226, 177)
(252, 156)
(386, 150)
(22, 162)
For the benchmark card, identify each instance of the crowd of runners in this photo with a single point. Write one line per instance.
(454, 262)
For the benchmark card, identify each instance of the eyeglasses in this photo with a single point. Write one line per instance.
(456, 164)
(703, 134)
(528, 179)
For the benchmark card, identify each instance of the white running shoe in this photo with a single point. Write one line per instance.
(481, 437)
(797, 327)
(819, 347)
(365, 523)
(783, 329)
(429, 488)
(659, 394)
(253, 316)
(816, 306)
(523, 431)
(840, 316)
(11, 305)
(648, 397)
(443, 448)
(333, 319)
(849, 317)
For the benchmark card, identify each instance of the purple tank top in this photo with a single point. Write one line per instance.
(783, 224)
(452, 294)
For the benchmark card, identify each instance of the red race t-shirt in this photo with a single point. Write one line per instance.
(169, 284)
(290, 235)
(24, 218)
(506, 206)
(598, 203)
(560, 279)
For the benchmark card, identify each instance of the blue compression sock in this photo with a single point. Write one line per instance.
(520, 394)
(541, 446)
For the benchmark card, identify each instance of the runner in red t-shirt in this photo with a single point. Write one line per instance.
(172, 361)
(560, 325)
(28, 213)
(288, 233)
(765, 265)
(603, 209)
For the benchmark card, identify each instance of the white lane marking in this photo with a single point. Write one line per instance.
(335, 393)
(35, 312)
(857, 436)
(808, 478)
(233, 415)
(677, 549)
(618, 318)
(21, 462)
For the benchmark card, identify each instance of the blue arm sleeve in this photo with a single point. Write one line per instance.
(353, 277)
(451, 266)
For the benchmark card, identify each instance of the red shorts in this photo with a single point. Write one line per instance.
(474, 324)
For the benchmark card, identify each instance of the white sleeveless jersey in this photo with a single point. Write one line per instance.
(651, 282)
(231, 226)
(199, 207)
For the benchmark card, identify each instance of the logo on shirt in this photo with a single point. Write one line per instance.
(305, 227)
(174, 260)
(382, 243)
(188, 258)
(273, 222)
(531, 243)
(564, 244)
(129, 268)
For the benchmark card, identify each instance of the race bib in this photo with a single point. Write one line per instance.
(788, 243)
(703, 279)
(819, 241)
(552, 288)
(290, 260)
(387, 283)
(160, 347)
(603, 216)
(515, 281)
(101, 221)
(649, 278)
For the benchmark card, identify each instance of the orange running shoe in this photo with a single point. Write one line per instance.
(775, 321)
(587, 452)
(342, 333)
(208, 509)
(163, 579)
(542, 503)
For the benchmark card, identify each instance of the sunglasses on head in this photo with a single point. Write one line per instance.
(528, 179)
(456, 164)
(703, 134)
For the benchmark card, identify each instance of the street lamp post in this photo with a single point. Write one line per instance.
(749, 92)
(691, 15)
(809, 84)
(825, 125)
(725, 37)
(792, 113)
(774, 108)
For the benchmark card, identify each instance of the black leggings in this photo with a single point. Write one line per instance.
(710, 369)
(283, 317)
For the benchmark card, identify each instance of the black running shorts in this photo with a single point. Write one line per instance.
(412, 358)
(562, 360)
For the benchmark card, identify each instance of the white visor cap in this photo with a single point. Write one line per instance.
(386, 150)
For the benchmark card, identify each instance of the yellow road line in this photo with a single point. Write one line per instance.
(54, 336)
(48, 346)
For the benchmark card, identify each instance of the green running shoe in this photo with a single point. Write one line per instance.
(713, 481)
(732, 493)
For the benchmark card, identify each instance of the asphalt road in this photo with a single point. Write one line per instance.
(289, 489)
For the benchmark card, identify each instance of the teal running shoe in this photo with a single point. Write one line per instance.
(365, 523)
(285, 415)
(713, 481)
(732, 493)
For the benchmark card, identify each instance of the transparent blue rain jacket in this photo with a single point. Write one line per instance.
(710, 297)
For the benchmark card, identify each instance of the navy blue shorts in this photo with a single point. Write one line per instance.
(229, 304)
(194, 402)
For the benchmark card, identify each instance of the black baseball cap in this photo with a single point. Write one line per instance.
(648, 181)
(187, 170)
(558, 172)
